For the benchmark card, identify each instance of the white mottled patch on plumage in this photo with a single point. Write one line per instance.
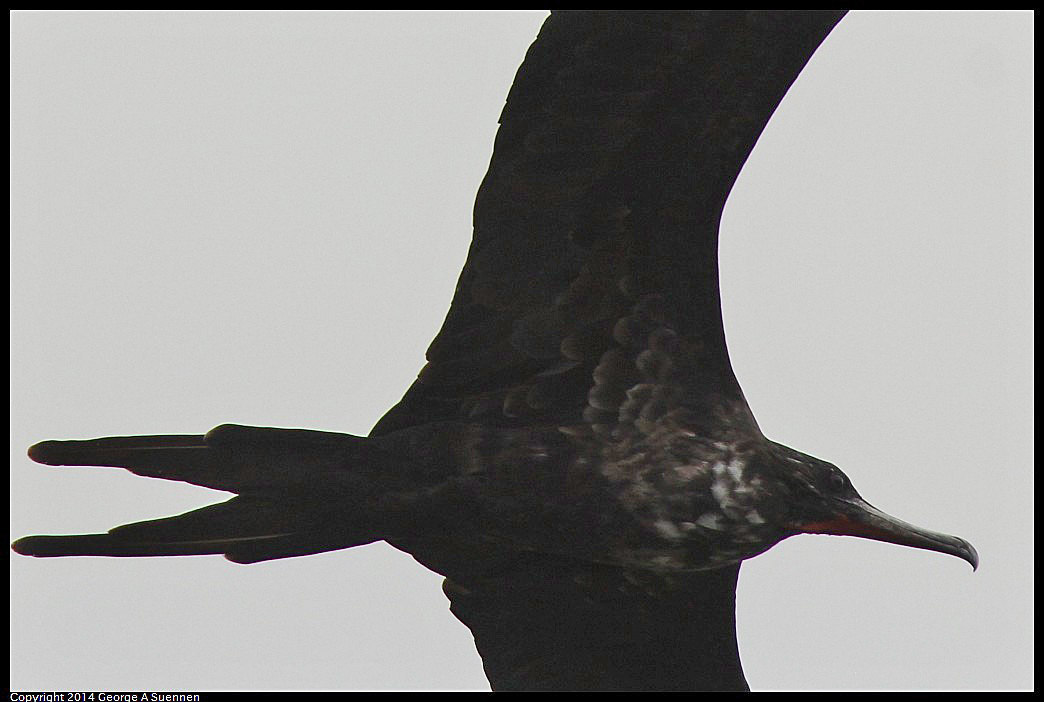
(720, 491)
(706, 503)
(735, 469)
(736, 498)
(728, 483)
(688, 472)
(711, 520)
(667, 529)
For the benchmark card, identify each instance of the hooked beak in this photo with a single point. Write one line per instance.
(857, 517)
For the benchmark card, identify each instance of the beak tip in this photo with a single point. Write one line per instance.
(970, 555)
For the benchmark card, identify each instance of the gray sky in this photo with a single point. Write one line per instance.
(260, 218)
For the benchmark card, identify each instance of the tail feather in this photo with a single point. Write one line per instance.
(207, 530)
(67, 453)
(174, 457)
(108, 545)
(242, 517)
(293, 545)
(229, 457)
(300, 493)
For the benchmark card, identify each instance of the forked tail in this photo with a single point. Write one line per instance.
(299, 492)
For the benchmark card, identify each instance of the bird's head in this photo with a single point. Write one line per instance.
(815, 497)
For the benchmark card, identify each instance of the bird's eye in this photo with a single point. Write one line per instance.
(837, 482)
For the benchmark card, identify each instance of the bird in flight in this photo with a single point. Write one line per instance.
(577, 457)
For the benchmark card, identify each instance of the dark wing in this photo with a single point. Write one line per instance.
(547, 623)
(594, 251)
(598, 219)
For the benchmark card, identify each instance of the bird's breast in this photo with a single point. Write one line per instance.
(651, 506)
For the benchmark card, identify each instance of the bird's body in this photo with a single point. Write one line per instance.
(676, 502)
(577, 457)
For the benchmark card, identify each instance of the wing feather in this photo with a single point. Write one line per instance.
(552, 623)
(619, 142)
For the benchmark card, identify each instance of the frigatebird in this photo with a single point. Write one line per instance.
(577, 457)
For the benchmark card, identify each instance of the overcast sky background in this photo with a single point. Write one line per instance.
(260, 218)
